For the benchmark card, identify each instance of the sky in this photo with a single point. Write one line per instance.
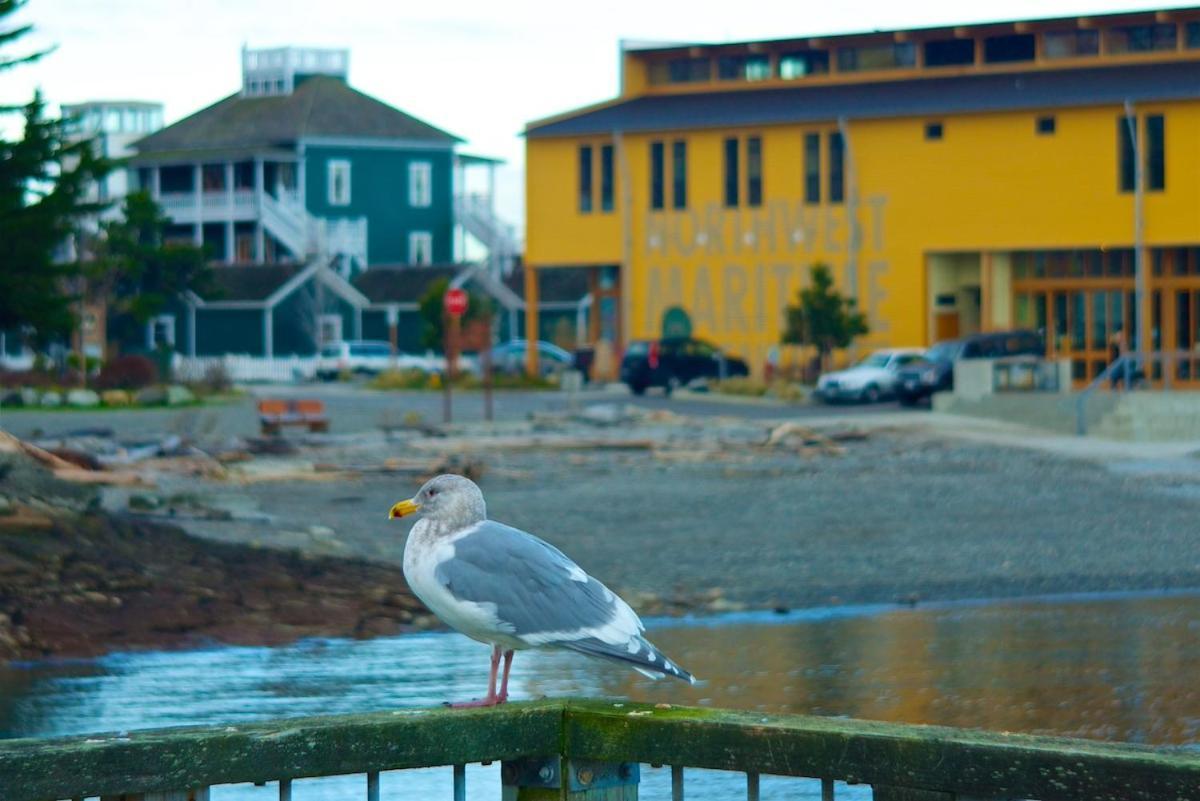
(480, 69)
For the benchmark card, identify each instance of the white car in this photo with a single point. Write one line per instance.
(366, 357)
(870, 381)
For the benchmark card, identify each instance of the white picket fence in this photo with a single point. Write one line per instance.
(244, 368)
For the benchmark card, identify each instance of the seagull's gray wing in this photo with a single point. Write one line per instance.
(541, 597)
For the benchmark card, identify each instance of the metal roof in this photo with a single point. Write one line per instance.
(1008, 91)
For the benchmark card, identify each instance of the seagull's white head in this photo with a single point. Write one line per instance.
(454, 501)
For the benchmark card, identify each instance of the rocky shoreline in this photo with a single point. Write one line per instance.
(95, 583)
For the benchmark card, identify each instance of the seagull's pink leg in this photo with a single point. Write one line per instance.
(491, 699)
(508, 655)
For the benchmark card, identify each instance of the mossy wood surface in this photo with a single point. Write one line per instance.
(962, 762)
(182, 759)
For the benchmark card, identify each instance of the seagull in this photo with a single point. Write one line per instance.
(507, 588)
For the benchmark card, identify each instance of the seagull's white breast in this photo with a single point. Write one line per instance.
(424, 551)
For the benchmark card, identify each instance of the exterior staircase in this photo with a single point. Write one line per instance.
(475, 215)
(341, 239)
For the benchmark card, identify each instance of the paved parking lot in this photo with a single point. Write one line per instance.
(353, 408)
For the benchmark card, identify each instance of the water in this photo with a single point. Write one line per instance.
(1113, 667)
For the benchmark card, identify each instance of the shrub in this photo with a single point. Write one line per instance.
(419, 379)
(401, 379)
(38, 379)
(739, 386)
(127, 372)
(216, 379)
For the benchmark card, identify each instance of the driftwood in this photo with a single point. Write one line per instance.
(533, 443)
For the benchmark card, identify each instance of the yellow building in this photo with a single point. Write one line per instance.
(957, 179)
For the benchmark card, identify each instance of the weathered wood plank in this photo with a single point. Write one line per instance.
(964, 762)
(164, 760)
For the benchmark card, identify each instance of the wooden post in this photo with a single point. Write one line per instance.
(393, 323)
(485, 365)
(451, 327)
(531, 320)
(564, 779)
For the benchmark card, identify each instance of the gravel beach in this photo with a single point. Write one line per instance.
(901, 516)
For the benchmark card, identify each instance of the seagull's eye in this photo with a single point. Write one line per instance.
(432, 492)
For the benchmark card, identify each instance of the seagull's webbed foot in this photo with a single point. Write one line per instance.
(489, 700)
(492, 698)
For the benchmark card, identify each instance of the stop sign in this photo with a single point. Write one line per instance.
(455, 301)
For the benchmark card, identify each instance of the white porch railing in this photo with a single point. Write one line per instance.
(475, 215)
(245, 368)
(218, 206)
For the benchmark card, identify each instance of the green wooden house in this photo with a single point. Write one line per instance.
(299, 165)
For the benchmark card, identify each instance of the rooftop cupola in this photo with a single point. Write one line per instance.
(279, 70)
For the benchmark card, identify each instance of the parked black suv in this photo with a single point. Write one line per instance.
(935, 371)
(671, 363)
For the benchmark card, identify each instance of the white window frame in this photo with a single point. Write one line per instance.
(420, 184)
(336, 166)
(330, 324)
(152, 329)
(420, 247)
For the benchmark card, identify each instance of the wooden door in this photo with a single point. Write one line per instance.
(945, 326)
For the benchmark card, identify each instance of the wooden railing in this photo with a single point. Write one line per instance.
(593, 750)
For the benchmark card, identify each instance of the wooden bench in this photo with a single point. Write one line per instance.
(274, 414)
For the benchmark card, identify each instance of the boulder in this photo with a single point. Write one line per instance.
(115, 397)
(150, 396)
(179, 396)
(51, 398)
(82, 398)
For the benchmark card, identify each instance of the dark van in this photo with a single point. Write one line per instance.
(935, 371)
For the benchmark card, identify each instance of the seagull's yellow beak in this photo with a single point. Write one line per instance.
(404, 508)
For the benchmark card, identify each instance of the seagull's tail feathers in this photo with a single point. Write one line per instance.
(638, 653)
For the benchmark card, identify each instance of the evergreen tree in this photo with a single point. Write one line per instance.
(138, 271)
(822, 317)
(43, 182)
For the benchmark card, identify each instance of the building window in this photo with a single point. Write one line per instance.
(657, 180)
(754, 180)
(1191, 36)
(1141, 38)
(420, 184)
(689, 70)
(1045, 125)
(837, 168)
(1011, 47)
(679, 174)
(606, 178)
(1069, 44)
(732, 176)
(420, 247)
(743, 68)
(329, 328)
(1155, 164)
(812, 168)
(1126, 157)
(160, 332)
(1156, 161)
(803, 62)
(585, 178)
(933, 130)
(339, 182)
(949, 52)
(877, 57)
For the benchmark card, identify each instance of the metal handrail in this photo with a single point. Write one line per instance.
(545, 740)
(1128, 367)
